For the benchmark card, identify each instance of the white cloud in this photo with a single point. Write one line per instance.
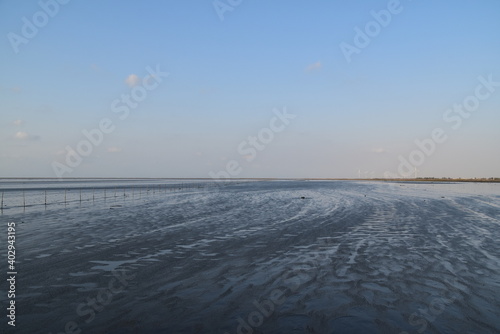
(18, 122)
(21, 135)
(13, 89)
(314, 67)
(378, 150)
(132, 80)
(114, 149)
(44, 108)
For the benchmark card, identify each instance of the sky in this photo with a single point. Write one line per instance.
(238, 88)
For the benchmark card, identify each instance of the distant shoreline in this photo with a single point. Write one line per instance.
(482, 180)
(437, 180)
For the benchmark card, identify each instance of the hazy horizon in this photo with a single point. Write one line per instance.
(210, 89)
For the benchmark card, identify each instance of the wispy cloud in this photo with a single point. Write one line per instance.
(378, 150)
(114, 149)
(12, 89)
(314, 67)
(44, 108)
(18, 122)
(21, 135)
(132, 80)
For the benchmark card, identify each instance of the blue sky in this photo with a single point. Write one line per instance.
(225, 78)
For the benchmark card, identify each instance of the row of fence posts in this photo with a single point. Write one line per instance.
(153, 189)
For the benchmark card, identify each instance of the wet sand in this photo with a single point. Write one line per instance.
(349, 257)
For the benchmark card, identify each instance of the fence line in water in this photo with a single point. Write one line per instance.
(48, 197)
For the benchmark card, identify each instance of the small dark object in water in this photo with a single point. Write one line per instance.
(302, 197)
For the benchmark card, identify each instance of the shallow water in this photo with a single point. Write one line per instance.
(351, 257)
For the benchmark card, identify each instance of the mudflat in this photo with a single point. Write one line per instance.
(265, 257)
